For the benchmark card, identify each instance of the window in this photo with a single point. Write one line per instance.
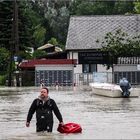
(93, 68)
(89, 68)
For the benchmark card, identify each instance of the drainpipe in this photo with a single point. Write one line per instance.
(73, 71)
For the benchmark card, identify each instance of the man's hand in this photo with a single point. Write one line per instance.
(27, 124)
(61, 123)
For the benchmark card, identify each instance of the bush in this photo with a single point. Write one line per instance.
(39, 54)
(2, 79)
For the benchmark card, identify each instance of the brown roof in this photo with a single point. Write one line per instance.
(30, 64)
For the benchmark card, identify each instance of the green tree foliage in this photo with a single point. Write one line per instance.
(123, 7)
(38, 23)
(55, 15)
(24, 24)
(120, 44)
(4, 59)
(89, 7)
(39, 35)
(6, 17)
(2, 79)
(82, 7)
(137, 7)
(58, 20)
(6, 26)
(31, 31)
(53, 41)
(39, 54)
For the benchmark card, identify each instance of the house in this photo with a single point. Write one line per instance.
(83, 33)
(49, 71)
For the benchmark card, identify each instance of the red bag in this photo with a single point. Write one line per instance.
(69, 128)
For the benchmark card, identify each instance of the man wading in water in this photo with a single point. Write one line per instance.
(43, 106)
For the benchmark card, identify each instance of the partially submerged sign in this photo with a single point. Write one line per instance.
(97, 57)
(100, 77)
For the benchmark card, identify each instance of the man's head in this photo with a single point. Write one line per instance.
(124, 78)
(44, 92)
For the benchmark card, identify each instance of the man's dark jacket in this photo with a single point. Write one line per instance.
(44, 115)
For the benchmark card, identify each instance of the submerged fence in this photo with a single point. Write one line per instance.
(133, 77)
(86, 78)
(28, 78)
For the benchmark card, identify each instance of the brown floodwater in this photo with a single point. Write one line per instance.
(100, 117)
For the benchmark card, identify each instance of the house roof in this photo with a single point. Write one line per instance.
(84, 31)
(30, 64)
(58, 49)
(45, 46)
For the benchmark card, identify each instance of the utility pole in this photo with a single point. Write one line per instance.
(16, 40)
(15, 26)
(14, 48)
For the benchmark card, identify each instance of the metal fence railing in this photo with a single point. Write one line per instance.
(83, 78)
(28, 78)
(86, 78)
(132, 76)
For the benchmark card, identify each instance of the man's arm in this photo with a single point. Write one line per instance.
(57, 112)
(31, 112)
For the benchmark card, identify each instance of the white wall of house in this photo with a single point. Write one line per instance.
(74, 55)
(54, 67)
(126, 67)
(102, 68)
(78, 69)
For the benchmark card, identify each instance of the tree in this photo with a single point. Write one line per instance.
(6, 16)
(119, 44)
(31, 30)
(38, 22)
(89, 7)
(81, 7)
(58, 21)
(53, 41)
(55, 15)
(39, 35)
(39, 54)
(123, 7)
(7, 25)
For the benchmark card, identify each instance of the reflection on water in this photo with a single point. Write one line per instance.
(100, 117)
